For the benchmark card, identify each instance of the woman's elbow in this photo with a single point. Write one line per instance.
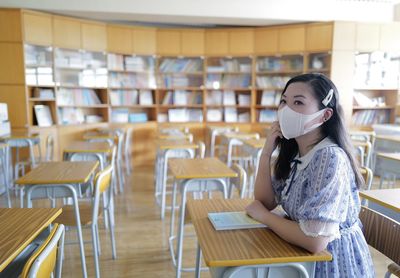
(316, 245)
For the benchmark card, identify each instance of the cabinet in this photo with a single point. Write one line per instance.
(228, 89)
(131, 88)
(376, 87)
(37, 28)
(266, 41)
(192, 42)
(319, 37)
(66, 33)
(119, 39)
(94, 36)
(180, 89)
(241, 42)
(169, 42)
(144, 41)
(367, 36)
(292, 39)
(10, 26)
(217, 42)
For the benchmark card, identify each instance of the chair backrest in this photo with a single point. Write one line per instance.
(368, 177)
(381, 232)
(102, 182)
(49, 148)
(240, 182)
(41, 264)
(88, 157)
(201, 150)
(128, 139)
(364, 150)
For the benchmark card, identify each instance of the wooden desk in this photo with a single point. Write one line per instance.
(63, 178)
(175, 144)
(21, 135)
(167, 136)
(88, 147)
(194, 175)
(385, 201)
(99, 135)
(223, 250)
(61, 172)
(199, 168)
(387, 163)
(19, 227)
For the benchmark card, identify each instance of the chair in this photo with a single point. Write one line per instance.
(201, 150)
(218, 132)
(382, 233)
(235, 154)
(128, 151)
(49, 155)
(240, 182)
(364, 150)
(368, 177)
(90, 213)
(49, 255)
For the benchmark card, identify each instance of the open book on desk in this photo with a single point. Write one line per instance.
(233, 220)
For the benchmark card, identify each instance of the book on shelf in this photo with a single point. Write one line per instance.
(244, 117)
(272, 81)
(369, 117)
(195, 115)
(124, 97)
(267, 116)
(43, 93)
(270, 98)
(178, 115)
(146, 97)
(233, 220)
(216, 81)
(162, 117)
(70, 115)
(3, 112)
(181, 97)
(214, 98)
(244, 99)
(181, 65)
(91, 119)
(115, 61)
(214, 115)
(362, 100)
(230, 115)
(43, 115)
(288, 63)
(119, 116)
(85, 97)
(229, 98)
(167, 98)
(138, 117)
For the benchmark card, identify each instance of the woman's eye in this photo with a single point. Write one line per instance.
(296, 102)
(282, 101)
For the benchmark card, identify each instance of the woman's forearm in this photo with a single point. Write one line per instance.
(290, 231)
(263, 185)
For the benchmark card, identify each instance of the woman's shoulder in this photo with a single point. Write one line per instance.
(331, 155)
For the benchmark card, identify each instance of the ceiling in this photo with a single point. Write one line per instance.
(212, 13)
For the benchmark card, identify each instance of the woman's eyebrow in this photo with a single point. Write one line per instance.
(299, 96)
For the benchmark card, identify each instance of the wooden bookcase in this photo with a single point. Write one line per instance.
(234, 61)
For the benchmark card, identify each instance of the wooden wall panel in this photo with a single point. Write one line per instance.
(10, 26)
(38, 28)
(67, 33)
(12, 63)
(193, 42)
(94, 36)
(266, 41)
(144, 41)
(15, 97)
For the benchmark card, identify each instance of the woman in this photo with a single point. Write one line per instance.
(316, 179)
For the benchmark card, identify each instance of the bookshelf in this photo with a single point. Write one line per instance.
(228, 89)
(271, 74)
(81, 86)
(180, 82)
(375, 94)
(132, 88)
(318, 62)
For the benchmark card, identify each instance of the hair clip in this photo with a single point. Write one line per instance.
(328, 98)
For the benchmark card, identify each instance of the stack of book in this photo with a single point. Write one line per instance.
(181, 65)
(270, 98)
(77, 97)
(267, 116)
(369, 117)
(123, 97)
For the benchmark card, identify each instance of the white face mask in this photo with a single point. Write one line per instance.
(293, 124)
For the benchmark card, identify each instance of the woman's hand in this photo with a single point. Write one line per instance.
(272, 139)
(257, 211)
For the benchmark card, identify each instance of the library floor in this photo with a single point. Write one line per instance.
(142, 238)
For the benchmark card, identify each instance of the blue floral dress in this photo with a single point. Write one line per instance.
(323, 199)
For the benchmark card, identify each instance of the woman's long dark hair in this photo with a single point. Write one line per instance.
(334, 128)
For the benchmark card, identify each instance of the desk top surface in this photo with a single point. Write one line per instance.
(98, 135)
(388, 198)
(242, 247)
(255, 143)
(239, 135)
(20, 135)
(173, 136)
(19, 227)
(60, 172)
(389, 138)
(198, 168)
(393, 156)
(88, 147)
(175, 144)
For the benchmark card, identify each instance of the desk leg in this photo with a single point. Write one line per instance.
(4, 162)
(181, 232)
(171, 228)
(198, 261)
(79, 233)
